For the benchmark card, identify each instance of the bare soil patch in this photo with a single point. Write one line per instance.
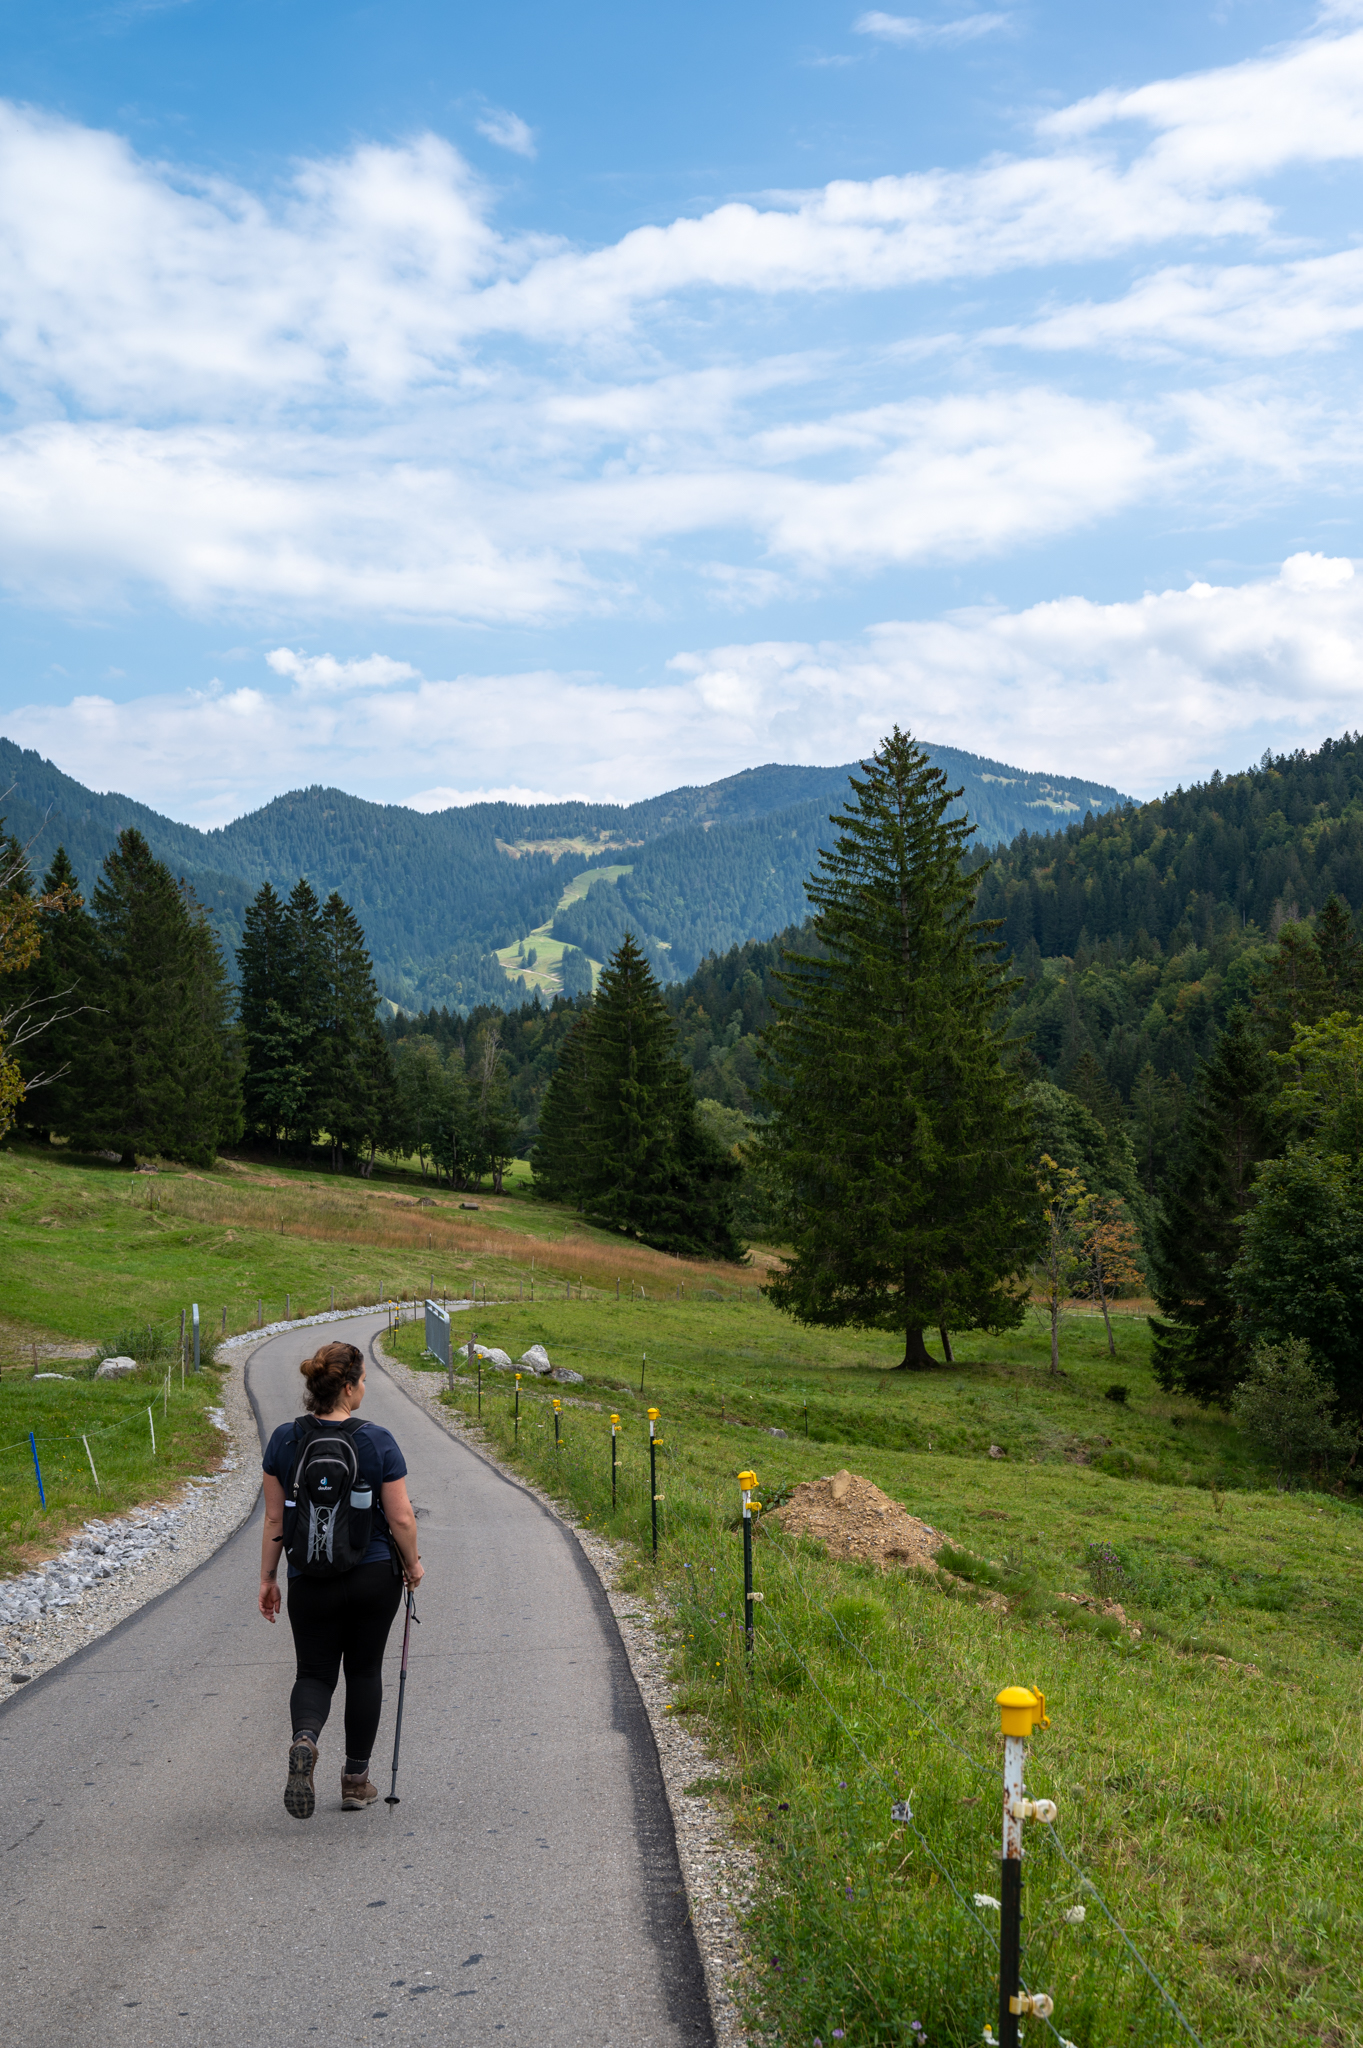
(851, 1517)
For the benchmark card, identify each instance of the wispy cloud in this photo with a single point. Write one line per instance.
(1141, 692)
(908, 28)
(507, 130)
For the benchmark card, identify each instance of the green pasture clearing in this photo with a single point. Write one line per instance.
(1207, 1770)
(546, 974)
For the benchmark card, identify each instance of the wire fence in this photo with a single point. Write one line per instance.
(694, 1490)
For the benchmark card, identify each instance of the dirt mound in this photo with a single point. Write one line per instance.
(851, 1517)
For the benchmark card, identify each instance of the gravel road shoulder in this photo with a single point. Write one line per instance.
(717, 1873)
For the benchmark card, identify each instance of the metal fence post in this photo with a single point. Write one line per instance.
(516, 1433)
(748, 1482)
(1021, 1710)
(615, 1431)
(653, 1441)
(196, 1336)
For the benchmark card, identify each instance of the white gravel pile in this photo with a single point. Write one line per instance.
(114, 1567)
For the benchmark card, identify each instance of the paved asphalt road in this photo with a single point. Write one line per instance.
(526, 1891)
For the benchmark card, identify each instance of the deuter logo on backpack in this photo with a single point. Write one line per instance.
(328, 1506)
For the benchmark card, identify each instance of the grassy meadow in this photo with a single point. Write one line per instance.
(1205, 1758)
(1207, 1769)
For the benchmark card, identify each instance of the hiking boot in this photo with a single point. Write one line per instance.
(356, 1792)
(299, 1797)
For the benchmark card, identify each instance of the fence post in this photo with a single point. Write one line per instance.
(653, 1441)
(748, 1482)
(558, 1415)
(196, 1336)
(516, 1435)
(1021, 1709)
(37, 1470)
(615, 1431)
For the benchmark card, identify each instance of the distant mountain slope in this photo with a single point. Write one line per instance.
(709, 865)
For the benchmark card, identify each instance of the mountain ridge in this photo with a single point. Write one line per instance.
(437, 892)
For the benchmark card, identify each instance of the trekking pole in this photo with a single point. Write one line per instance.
(392, 1799)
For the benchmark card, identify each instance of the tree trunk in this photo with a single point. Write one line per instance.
(946, 1345)
(1102, 1296)
(1055, 1333)
(916, 1353)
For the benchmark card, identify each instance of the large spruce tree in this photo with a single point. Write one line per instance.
(645, 1164)
(158, 1070)
(1201, 1347)
(899, 1131)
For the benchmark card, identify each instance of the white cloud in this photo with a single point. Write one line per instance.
(324, 672)
(507, 130)
(140, 289)
(907, 28)
(1141, 693)
(1245, 309)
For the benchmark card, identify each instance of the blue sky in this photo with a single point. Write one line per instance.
(441, 402)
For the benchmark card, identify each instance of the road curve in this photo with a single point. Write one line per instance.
(154, 1891)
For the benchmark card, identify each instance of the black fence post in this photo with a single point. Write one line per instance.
(1021, 1709)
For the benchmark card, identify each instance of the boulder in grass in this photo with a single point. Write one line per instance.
(498, 1360)
(566, 1375)
(117, 1369)
(537, 1360)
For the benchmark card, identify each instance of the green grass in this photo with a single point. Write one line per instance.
(112, 1414)
(1207, 1773)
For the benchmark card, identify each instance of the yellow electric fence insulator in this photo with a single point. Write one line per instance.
(653, 1414)
(747, 1479)
(755, 1507)
(615, 1418)
(1022, 1709)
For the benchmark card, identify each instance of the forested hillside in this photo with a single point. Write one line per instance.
(435, 894)
(1136, 934)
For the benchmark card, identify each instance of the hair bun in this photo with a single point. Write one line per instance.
(330, 1368)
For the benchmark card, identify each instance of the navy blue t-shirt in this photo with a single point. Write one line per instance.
(376, 1454)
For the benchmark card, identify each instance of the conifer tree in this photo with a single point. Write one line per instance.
(304, 998)
(898, 1131)
(645, 1164)
(274, 1085)
(1202, 1347)
(559, 1159)
(1341, 956)
(158, 1072)
(344, 1021)
(58, 988)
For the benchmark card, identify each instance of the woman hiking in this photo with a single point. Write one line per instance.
(336, 1504)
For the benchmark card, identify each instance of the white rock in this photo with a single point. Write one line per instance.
(51, 1375)
(117, 1369)
(498, 1360)
(537, 1358)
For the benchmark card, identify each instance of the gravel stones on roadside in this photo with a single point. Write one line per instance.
(851, 1517)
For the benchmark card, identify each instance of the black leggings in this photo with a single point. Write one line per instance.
(346, 1617)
